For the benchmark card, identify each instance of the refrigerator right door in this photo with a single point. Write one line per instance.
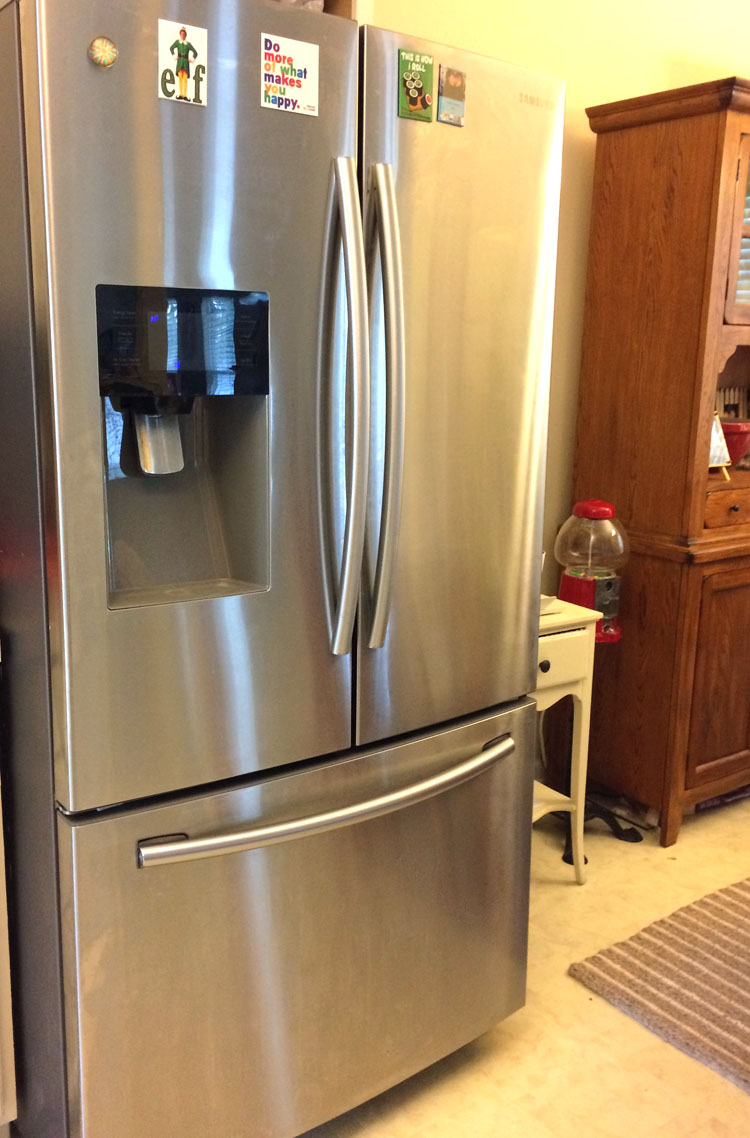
(460, 371)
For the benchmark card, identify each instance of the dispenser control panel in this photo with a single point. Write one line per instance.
(175, 343)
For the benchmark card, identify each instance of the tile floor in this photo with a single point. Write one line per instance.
(568, 1065)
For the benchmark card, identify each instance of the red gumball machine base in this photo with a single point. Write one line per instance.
(594, 592)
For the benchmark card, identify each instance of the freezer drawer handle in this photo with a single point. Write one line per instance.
(161, 852)
(382, 227)
(345, 231)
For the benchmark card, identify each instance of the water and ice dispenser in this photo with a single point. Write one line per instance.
(184, 381)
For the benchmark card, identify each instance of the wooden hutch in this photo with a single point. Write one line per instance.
(667, 325)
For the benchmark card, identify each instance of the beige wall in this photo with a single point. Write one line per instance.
(603, 52)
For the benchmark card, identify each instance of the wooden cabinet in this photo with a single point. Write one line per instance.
(666, 334)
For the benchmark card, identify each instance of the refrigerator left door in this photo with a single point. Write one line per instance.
(256, 992)
(179, 242)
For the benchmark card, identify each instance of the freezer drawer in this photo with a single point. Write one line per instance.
(256, 993)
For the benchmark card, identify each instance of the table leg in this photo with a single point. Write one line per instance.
(578, 763)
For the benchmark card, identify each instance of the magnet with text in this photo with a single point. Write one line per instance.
(183, 63)
(415, 85)
(289, 75)
(451, 96)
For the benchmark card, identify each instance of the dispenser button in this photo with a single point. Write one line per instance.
(125, 340)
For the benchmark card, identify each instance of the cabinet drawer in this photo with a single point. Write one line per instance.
(562, 658)
(728, 508)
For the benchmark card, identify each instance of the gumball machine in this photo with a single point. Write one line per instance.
(591, 546)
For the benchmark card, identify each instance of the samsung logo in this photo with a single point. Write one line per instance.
(536, 101)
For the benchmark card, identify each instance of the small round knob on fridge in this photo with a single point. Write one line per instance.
(544, 665)
(102, 51)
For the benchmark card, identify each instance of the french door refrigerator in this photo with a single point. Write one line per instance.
(270, 484)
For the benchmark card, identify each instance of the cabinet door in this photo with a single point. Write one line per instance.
(720, 719)
(737, 310)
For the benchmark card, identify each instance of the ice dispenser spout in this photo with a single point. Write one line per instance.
(156, 429)
(159, 443)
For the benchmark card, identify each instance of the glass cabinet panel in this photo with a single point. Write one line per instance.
(737, 309)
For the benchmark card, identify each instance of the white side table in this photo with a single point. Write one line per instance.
(566, 665)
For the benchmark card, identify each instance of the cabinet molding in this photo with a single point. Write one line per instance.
(682, 102)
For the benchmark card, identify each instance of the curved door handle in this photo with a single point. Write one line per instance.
(179, 849)
(345, 232)
(382, 228)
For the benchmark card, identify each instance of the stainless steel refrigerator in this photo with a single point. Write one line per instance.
(270, 482)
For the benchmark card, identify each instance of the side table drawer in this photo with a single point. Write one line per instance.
(562, 658)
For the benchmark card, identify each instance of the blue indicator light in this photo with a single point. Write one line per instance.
(176, 365)
(154, 319)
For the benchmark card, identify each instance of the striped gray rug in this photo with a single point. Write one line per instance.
(687, 978)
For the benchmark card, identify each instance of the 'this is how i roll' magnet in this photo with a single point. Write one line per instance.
(415, 85)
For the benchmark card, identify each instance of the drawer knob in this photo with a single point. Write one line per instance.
(544, 665)
(735, 508)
